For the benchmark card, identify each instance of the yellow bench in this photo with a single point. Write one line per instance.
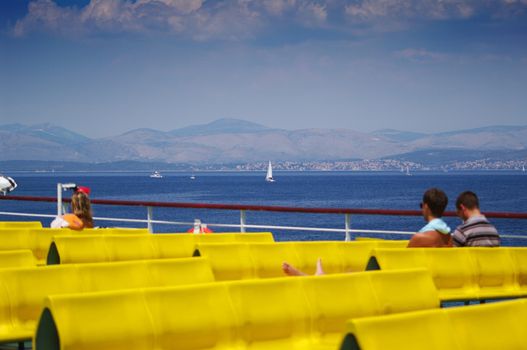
(17, 258)
(99, 248)
(38, 240)
(463, 273)
(499, 325)
(20, 224)
(281, 313)
(22, 290)
(261, 260)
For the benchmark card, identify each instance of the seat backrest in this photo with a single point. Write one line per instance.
(427, 329)
(20, 224)
(17, 258)
(309, 252)
(519, 258)
(129, 247)
(27, 287)
(173, 245)
(496, 274)
(77, 249)
(260, 313)
(267, 258)
(498, 325)
(228, 261)
(271, 310)
(14, 239)
(40, 240)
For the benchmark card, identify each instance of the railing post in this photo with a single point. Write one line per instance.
(347, 219)
(197, 226)
(59, 199)
(149, 218)
(242, 220)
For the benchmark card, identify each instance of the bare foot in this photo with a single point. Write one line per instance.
(291, 270)
(319, 270)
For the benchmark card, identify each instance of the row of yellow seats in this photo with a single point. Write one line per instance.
(98, 248)
(499, 325)
(22, 290)
(260, 260)
(281, 313)
(20, 224)
(38, 240)
(463, 273)
(17, 258)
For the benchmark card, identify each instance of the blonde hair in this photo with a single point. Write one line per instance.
(81, 207)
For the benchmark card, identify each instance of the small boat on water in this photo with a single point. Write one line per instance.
(269, 176)
(156, 175)
(192, 177)
(408, 171)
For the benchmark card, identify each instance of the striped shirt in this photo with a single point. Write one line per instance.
(477, 231)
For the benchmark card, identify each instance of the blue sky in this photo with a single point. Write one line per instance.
(104, 67)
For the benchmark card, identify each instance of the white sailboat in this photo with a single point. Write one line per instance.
(269, 176)
(523, 168)
(408, 171)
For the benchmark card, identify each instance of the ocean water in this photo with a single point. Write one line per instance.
(497, 192)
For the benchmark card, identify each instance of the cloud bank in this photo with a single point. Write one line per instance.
(241, 19)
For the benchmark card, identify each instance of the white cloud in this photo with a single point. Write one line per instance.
(421, 55)
(238, 19)
(368, 10)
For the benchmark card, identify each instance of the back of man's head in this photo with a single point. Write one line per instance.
(468, 199)
(436, 200)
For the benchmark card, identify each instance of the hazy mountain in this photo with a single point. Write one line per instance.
(232, 140)
(220, 126)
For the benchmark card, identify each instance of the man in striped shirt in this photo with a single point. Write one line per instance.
(476, 230)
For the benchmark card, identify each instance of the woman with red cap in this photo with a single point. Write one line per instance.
(81, 216)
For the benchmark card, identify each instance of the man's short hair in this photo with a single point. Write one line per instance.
(436, 200)
(468, 199)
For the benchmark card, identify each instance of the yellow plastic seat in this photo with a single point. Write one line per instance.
(17, 258)
(274, 312)
(519, 258)
(129, 247)
(129, 317)
(309, 252)
(453, 270)
(355, 254)
(184, 327)
(77, 249)
(14, 239)
(418, 330)
(499, 325)
(20, 224)
(40, 240)
(496, 273)
(22, 290)
(228, 261)
(267, 258)
(168, 246)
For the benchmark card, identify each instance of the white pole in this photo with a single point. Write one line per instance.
(59, 199)
(242, 220)
(347, 218)
(149, 218)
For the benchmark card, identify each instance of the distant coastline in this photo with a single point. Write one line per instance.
(381, 165)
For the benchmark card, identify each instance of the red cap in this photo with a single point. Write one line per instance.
(83, 189)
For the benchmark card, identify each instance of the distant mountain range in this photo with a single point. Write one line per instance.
(238, 141)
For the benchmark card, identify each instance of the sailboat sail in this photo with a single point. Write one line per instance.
(269, 176)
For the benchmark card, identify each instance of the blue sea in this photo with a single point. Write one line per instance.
(498, 191)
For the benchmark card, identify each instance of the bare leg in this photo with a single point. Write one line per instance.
(319, 270)
(290, 270)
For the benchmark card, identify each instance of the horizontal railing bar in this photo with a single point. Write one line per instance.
(356, 211)
(290, 228)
